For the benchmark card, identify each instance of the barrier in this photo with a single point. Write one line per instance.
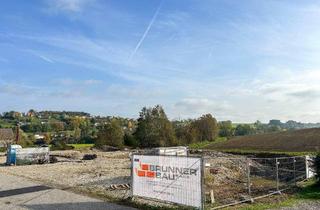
(233, 181)
(21, 156)
(172, 179)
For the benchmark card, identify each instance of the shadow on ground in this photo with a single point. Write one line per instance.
(77, 206)
(24, 190)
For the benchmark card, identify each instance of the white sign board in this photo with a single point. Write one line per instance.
(309, 167)
(168, 178)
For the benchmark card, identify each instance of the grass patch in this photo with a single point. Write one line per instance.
(205, 144)
(262, 206)
(306, 191)
(310, 191)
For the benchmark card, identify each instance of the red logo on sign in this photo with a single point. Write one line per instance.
(144, 171)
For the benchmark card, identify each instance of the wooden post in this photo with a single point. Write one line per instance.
(212, 197)
(248, 178)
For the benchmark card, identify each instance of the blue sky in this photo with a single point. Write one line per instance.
(239, 60)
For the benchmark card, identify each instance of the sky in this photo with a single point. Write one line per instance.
(238, 60)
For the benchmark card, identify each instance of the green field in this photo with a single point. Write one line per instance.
(205, 144)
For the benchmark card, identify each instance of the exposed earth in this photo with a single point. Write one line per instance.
(304, 140)
(71, 172)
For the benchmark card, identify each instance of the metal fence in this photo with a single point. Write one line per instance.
(39, 155)
(230, 180)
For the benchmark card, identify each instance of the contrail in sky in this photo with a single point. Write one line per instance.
(146, 31)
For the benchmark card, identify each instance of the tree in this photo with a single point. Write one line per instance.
(110, 134)
(243, 130)
(259, 127)
(56, 125)
(25, 140)
(226, 129)
(185, 132)
(130, 140)
(207, 127)
(154, 129)
(274, 128)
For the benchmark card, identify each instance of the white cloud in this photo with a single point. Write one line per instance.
(73, 82)
(92, 82)
(192, 107)
(277, 93)
(14, 89)
(133, 92)
(297, 83)
(45, 58)
(68, 5)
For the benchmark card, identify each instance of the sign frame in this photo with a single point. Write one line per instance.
(166, 201)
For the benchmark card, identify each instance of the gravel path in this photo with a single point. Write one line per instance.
(305, 205)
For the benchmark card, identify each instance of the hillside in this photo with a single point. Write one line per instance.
(305, 140)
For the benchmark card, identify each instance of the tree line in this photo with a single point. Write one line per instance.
(151, 129)
(154, 129)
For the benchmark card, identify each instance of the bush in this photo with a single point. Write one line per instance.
(317, 168)
(53, 159)
(60, 145)
(130, 141)
(89, 157)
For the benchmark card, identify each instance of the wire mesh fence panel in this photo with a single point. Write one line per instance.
(227, 179)
(263, 176)
(232, 180)
(32, 155)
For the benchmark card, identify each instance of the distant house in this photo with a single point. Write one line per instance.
(6, 136)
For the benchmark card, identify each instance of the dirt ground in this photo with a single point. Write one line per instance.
(110, 168)
(225, 174)
(71, 172)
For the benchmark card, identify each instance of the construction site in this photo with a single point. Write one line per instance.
(227, 179)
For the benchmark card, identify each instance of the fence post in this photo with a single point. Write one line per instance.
(248, 177)
(307, 166)
(277, 174)
(212, 197)
(203, 195)
(294, 171)
(131, 176)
